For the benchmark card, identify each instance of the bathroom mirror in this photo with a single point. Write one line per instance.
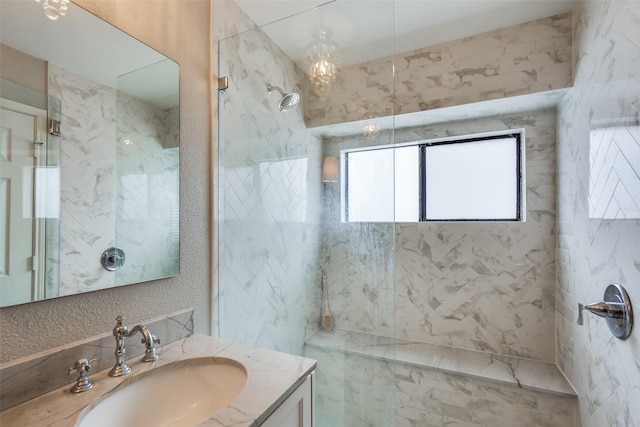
(89, 151)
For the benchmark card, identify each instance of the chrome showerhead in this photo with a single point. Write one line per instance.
(288, 101)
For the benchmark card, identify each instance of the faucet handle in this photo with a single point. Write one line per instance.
(83, 383)
(616, 308)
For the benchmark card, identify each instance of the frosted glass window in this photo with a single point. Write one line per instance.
(407, 183)
(472, 180)
(370, 186)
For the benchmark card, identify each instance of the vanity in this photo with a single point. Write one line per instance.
(277, 389)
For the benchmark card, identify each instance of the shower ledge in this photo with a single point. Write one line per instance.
(524, 373)
(472, 110)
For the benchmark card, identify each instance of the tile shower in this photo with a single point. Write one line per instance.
(434, 324)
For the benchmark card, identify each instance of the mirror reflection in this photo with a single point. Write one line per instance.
(89, 154)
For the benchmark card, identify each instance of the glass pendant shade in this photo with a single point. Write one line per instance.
(323, 58)
(54, 9)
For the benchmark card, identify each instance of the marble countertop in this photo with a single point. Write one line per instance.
(271, 378)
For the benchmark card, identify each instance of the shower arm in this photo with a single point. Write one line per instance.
(271, 87)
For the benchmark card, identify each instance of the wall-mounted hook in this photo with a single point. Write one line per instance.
(616, 309)
(223, 83)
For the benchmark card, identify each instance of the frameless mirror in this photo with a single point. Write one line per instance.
(89, 155)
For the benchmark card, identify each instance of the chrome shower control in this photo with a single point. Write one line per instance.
(112, 259)
(616, 309)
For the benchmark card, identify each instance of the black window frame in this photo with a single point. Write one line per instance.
(518, 136)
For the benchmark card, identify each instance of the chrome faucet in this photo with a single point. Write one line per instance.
(120, 332)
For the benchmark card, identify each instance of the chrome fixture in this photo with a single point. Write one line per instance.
(323, 60)
(83, 383)
(112, 259)
(54, 9)
(223, 83)
(288, 101)
(120, 332)
(616, 309)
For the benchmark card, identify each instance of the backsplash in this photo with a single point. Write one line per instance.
(28, 377)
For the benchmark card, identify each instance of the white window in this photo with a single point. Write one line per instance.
(473, 178)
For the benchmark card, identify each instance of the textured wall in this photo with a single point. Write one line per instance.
(517, 60)
(34, 327)
(593, 252)
(269, 210)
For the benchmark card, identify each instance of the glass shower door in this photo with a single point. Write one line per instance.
(293, 274)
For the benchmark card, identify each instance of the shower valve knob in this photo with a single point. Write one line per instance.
(616, 309)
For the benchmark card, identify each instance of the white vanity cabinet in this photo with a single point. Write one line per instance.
(297, 410)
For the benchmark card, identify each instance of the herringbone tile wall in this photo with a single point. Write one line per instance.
(269, 191)
(598, 226)
(614, 172)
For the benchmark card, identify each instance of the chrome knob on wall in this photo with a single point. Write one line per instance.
(112, 259)
(616, 309)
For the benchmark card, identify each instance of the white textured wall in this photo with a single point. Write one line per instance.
(180, 30)
(593, 252)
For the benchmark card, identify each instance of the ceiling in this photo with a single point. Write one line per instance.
(369, 29)
(86, 45)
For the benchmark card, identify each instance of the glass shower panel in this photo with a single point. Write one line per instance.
(291, 275)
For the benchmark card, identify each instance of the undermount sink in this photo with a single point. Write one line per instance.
(184, 393)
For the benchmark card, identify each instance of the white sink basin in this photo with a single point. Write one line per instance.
(184, 393)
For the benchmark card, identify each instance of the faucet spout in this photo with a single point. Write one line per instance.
(120, 332)
(149, 340)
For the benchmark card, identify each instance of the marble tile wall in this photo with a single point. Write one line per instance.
(480, 286)
(429, 398)
(352, 390)
(614, 173)
(380, 392)
(358, 260)
(268, 221)
(87, 181)
(105, 202)
(526, 58)
(147, 189)
(593, 252)
(485, 286)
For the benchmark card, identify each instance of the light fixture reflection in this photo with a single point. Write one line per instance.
(323, 58)
(370, 130)
(54, 9)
